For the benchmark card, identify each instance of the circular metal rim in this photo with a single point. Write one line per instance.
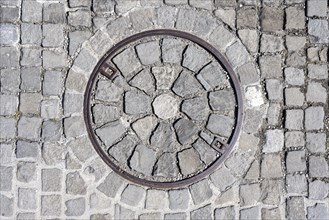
(239, 114)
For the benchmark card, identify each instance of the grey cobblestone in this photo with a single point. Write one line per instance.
(75, 184)
(296, 184)
(202, 213)
(272, 19)
(32, 11)
(270, 66)
(9, 34)
(179, 199)
(27, 198)
(6, 206)
(6, 178)
(318, 189)
(133, 195)
(271, 43)
(318, 29)
(111, 185)
(200, 192)
(271, 213)
(51, 180)
(31, 79)
(314, 118)
(318, 166)
(294, 119)
(316, 142)
(295, 208)
(175, 216)
(27, 149)
(294, 139)
(10, 81)
(317, 71)
(294, 76)
(317, 8)
(153, 202)
(274, 141)
(123, 213)
(54, 13)
(250, 213)
(51, 205)
(271, 191)
(271, 166)
(53, 35)
(30, 103)
(316, 93)
(294, 97)
(249, 194)
(9, 105)
(296, 161)
(9, 14)
(295, 43)
(75, 207)
(295, 17)
(29, 128)
(9, 57)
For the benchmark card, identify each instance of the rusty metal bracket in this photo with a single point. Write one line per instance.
(219, 145)
(108, 71)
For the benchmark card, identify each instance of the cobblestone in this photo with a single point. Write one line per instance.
(296, 161)
(51, 180)
(179, 199)
(295, 208)
(318, 166)
(27, 198)
(75, 207)
(314, 118)
(31, 34)
(296, 184)
(316, 93)
(317, 8)
(44, 145)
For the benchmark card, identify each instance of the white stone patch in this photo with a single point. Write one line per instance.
(254, 97)
(165, 106)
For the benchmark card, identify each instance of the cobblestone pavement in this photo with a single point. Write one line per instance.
(49, 168)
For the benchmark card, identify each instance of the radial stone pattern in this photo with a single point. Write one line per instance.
(157, 107)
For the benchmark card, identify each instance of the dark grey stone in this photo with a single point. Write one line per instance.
(296, 161)
(9, 57)
(26, 171)
(29, 128)
(172, 50)
(222, 100)
(207, 154)
(111, 185)
(27, 149)
(270, 66)
(30, 103)
(31, 33)
(250, 213)
(166, 166)
(31, 79)
(51, 130)
(149, 53)
(163, 137)
(185, 130)
(111, 132)
(295, 208)
(216, 122)
(107, 91)
(195, 58)
(143, 81)
(225, 213)
(54, 13)
(136, 103)
(79, 18)
(53, 35)
(123, 150)
(10, 81)
(318, 166)
(132, 195)
(179, 199)
(143, 160)
(201, 192)
(9, 14)
(74, 126)
(272, 19)
(127, 62)
(314, 117)
(189, 161)
(186, 85)
(32, 11)
(196, 108)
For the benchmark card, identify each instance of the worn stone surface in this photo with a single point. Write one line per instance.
(189, 161)
(132, 195)
(153, 202)
(165, 106)
(186, 84)
(200, 192)
(51, 180)
(143, 160)
(178, 199)
(295, 208)
(196, 108)
(215, 124)
(111, 184)
(149, 53)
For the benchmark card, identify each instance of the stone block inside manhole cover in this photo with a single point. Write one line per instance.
(163, 108)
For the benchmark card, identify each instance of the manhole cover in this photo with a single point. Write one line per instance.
(163, 108)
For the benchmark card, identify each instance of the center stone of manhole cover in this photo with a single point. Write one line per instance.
(163, 108)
